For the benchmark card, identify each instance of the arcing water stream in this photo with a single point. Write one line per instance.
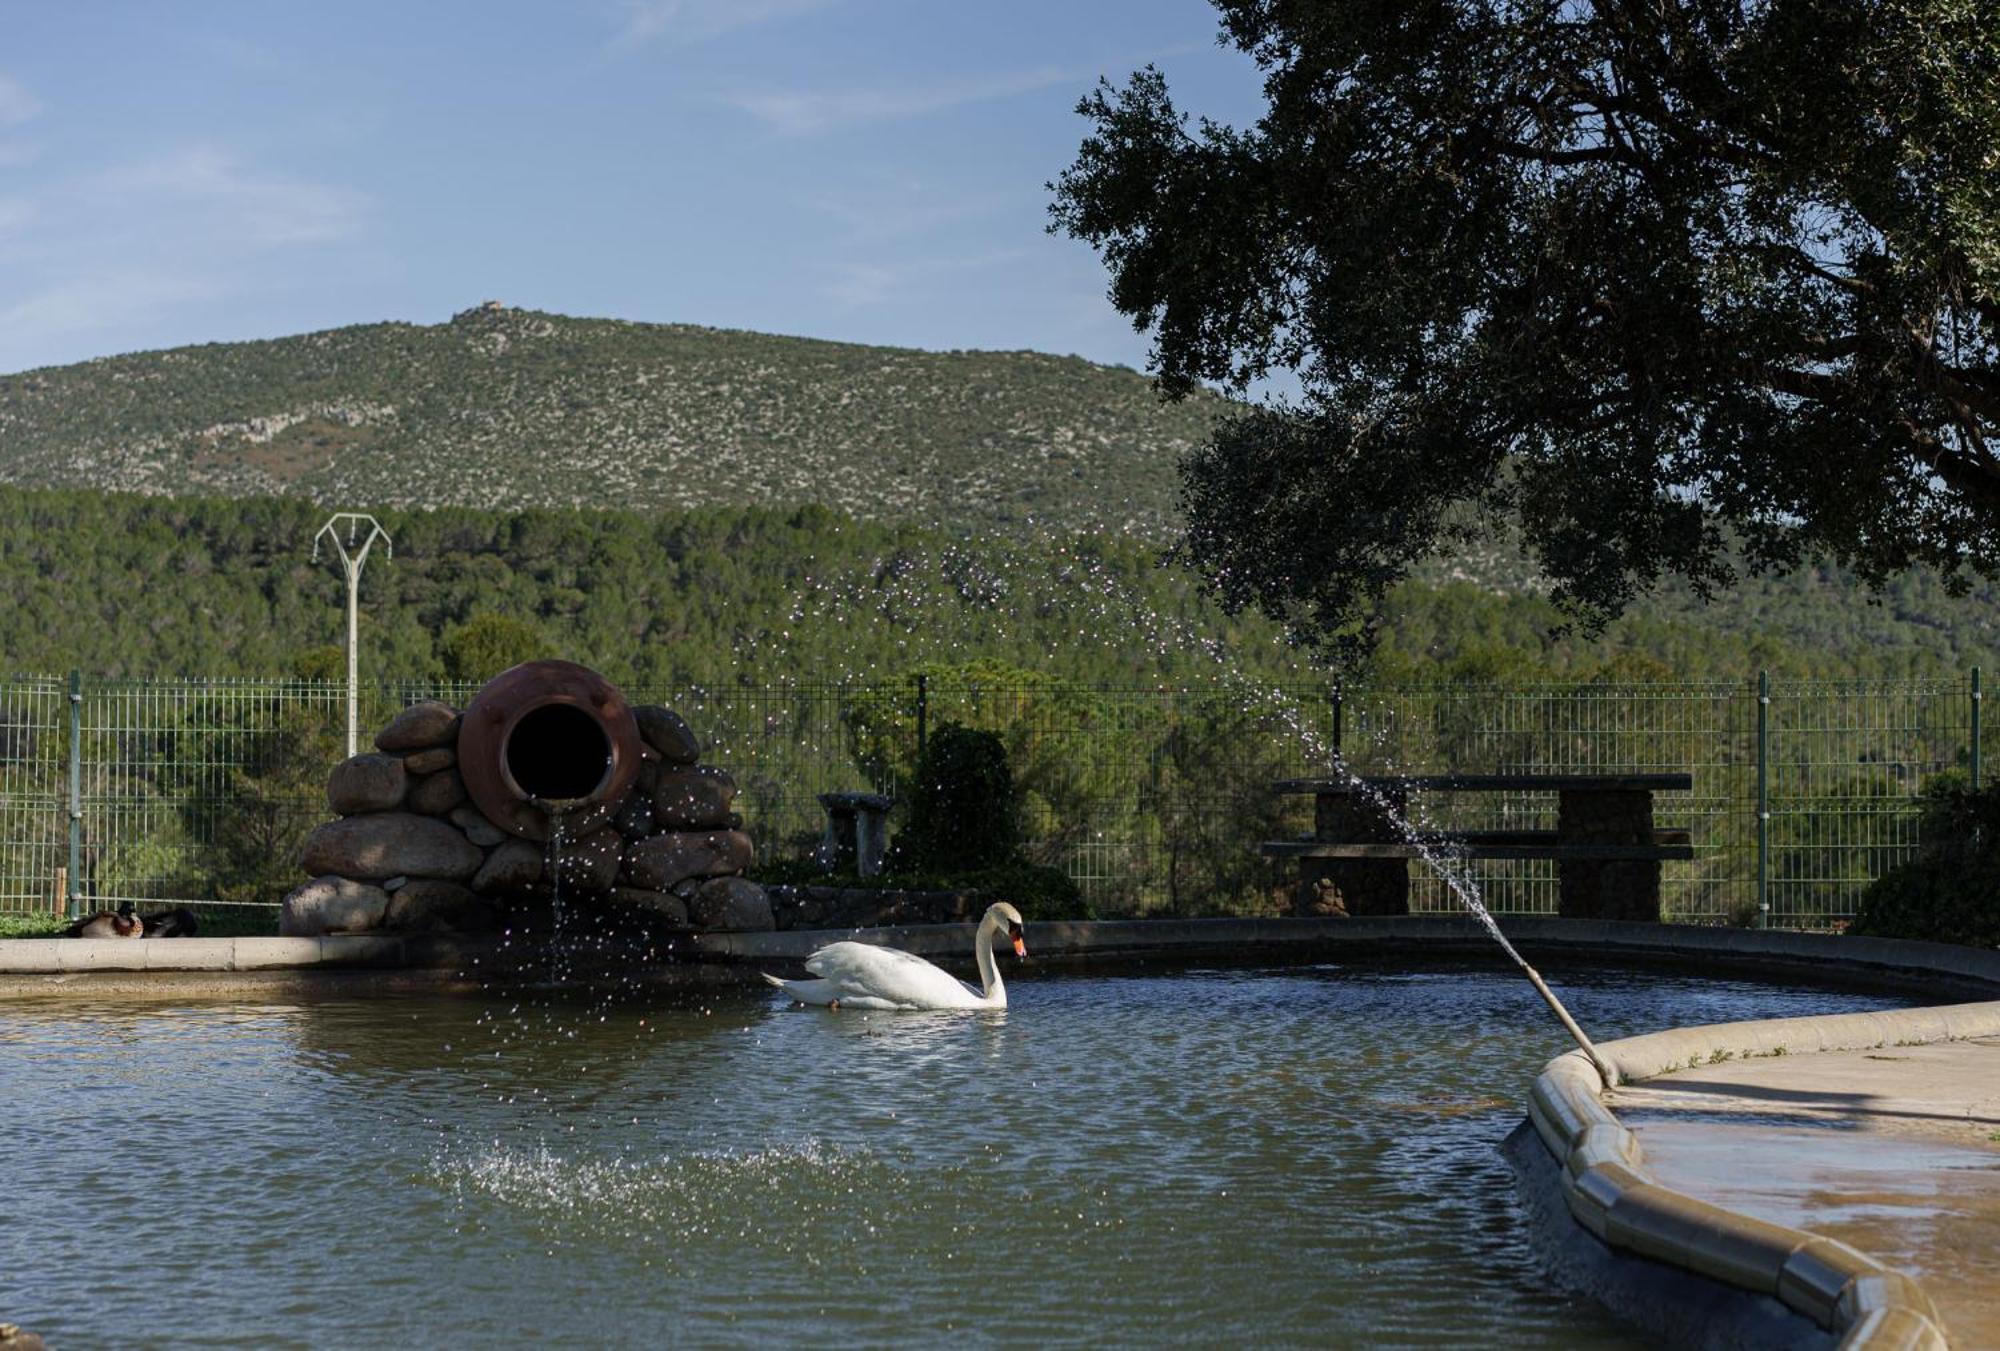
(1122, 619)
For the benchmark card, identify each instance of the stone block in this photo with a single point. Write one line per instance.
(420, 727)
(664, 730)
(731, 903)
(382, 844)
(430, 761)
(513, 867)
(366, 783)
(658, 862)
(331, 904)
(437, 794)
(476, 827)
(591, 863)
(670, 908)
(697, 798)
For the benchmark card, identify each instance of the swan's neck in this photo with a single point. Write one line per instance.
(989, 970)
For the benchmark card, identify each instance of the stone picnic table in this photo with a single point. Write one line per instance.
(1606, 849)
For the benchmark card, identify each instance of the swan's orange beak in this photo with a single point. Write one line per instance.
(1020, 948)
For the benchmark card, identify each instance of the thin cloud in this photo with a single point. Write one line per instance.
(693, 20)
(862, 284)
(17, 105)
(102, 301)
(803, 113)
(262, 208)
(92, 259)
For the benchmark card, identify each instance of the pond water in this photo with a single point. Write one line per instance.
(1289, 1156)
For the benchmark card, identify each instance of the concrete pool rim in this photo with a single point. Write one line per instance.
(31, 966)
(1608, 1191)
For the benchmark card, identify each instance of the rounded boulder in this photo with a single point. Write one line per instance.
(331, 905)
(366, 783)
(383, 844)
(420, 727)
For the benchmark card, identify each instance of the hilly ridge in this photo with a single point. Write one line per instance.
(508, 409)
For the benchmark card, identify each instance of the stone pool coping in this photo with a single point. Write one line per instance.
(1609, 1191)
(28, 964)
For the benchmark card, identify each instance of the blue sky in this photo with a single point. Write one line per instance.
(868, 170)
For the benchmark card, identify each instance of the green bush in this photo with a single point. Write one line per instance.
(1950, 892)
(964, 812)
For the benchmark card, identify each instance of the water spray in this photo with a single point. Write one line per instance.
(1438, 863)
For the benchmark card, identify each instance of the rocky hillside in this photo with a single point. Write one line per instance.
(506, 408)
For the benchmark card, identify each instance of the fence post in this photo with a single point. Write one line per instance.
(923, 715)
(75, 791)
(1763, 799)
(1339, 728)
(1977, 699)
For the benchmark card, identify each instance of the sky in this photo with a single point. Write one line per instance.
(864, 170)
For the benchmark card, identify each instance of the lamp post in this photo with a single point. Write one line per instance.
(351, 560)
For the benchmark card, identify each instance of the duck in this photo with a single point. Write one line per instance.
(868, 976)
(178, 922)
(123, 923)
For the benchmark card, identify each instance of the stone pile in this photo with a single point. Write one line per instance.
(410, 852)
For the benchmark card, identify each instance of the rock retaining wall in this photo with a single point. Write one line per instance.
(408, 852)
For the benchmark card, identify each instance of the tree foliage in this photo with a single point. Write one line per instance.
(1651, 281)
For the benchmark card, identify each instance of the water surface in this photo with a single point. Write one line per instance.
(1293, 1156)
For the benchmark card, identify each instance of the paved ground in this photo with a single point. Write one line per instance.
(1895, 1150)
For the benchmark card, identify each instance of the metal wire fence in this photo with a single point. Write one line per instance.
(1153, 800)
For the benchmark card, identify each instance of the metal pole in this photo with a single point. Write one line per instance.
(1763, 799)
(74, 882)
(923, 716)
(1977, 699)
(1339, 725)
(352, 560)
(353, 655)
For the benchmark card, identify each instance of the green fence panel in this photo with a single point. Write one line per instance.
(1152, 799)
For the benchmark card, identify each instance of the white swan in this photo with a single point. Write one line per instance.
(866, 976)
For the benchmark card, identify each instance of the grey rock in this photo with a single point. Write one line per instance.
(437, 794)
(420, 727)
(430, 904)
(366, 783)
(430, 761)
(694, 799)
(396, 883)
(591, 863)
(331, 905)
(656, 863)
(686, 887)
(514, 866)
(477, 828)
(668, 907)
(665, 732)
(635, 819)
(731, 903)
(383, 844)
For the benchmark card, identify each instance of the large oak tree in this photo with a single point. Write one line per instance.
(1661, 286)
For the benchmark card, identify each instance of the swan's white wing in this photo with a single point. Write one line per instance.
(857, 971)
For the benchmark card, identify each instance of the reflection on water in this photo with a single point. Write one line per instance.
(1293, 1156)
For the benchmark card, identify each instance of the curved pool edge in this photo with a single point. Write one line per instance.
(1609, 1193)
(42, 966)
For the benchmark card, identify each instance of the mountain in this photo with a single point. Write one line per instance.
(846, 508)
(505, 409)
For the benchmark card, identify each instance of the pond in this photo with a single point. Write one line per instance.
(1280, 1156)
